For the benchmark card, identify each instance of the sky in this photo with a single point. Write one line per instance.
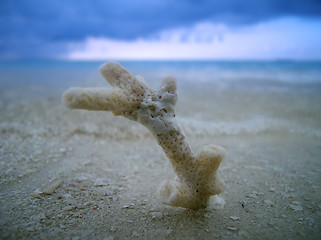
(160, 29)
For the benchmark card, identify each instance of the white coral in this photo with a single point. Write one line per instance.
(130, 97)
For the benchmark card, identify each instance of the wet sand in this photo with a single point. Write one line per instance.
(73, 174)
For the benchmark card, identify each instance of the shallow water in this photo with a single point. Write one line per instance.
(267, 115)
(227, 97)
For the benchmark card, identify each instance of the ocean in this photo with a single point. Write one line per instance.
(249, 95)
(106, 169)
(222, 72)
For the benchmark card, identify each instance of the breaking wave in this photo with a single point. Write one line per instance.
(199, 127)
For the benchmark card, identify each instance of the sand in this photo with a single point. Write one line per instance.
(73, 174)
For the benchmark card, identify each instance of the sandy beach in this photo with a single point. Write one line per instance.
(74, 174)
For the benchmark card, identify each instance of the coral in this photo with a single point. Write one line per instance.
(130, 97)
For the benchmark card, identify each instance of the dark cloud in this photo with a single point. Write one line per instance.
(41, 22)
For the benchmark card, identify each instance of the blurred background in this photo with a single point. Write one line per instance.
(160, 29)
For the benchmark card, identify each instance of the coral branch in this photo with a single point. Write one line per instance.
(130, 97)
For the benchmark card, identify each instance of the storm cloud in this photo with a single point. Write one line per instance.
(28, 24)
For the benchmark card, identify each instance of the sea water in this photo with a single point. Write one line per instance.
(215, 97)
(265, 74)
